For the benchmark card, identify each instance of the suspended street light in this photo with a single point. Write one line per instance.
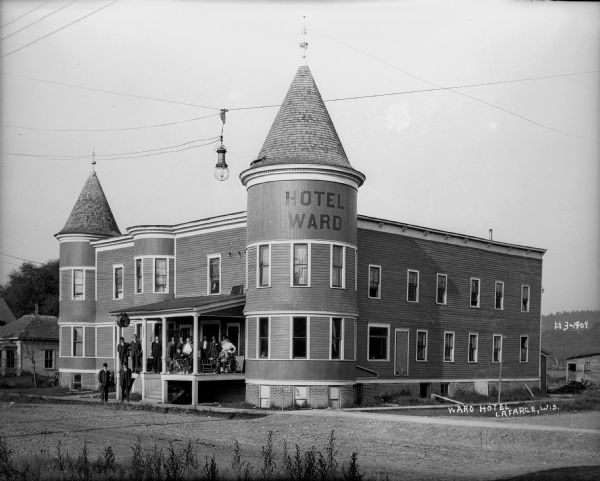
(221, 169)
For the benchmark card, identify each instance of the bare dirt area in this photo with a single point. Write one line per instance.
(398, 449)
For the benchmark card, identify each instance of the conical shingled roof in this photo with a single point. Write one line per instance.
(302, 132)
(91, 214)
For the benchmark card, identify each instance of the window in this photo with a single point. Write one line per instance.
(412, 293)
(355, 270)
(76, 381)
(49, 359)
(117, 282)
(497, 354)
(264, 265)
(499, 303)
(442, 289)
(160, 275)
(473, 347)
(300, 396)
(524, 298)
(337, 266)
(524, 349)
(475, 286)
(587, 365)
(444, 388)
(448, 347)
(336, 338)
(139, 276)
(263, 337)
(78, 285)
(10, 359)
(375, 282)
(265, 396)
(214, 274)
(421, 345)
(299, 337)
(378, 346)
(300, 271)
(77, 341)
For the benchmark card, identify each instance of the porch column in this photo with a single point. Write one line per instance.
(117, 366)
(164, 345)
(195, 348)
(144, 344)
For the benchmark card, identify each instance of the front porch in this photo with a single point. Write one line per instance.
(188, 388)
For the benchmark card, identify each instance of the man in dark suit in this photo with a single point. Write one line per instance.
(105, 381)
(136, 354)
(125, 380)
(123, 350)
(156, 355)
(213, 352)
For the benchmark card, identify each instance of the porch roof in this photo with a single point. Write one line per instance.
(225, 305)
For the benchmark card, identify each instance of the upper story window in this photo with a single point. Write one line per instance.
(301, 267)
(412, 291)
(499, 296)
(421, 345)
(442, 289)
(497, 348)
(448, 347)
(473, 347)
(524, 298)
(299, 337)
(78, 285)
(161, 275)
(263, 337)
(264, 265)
(336, 337)
(337, 266)
(379, 341)
(214, 274)
(475, 291)
(117, 282)
(375, 282)
(77, 341)
(139, 276)
(524, 357)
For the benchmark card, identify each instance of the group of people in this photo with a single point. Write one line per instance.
(218, 354)
(125, 351)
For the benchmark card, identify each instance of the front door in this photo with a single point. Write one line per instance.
(233, 334)
(401, 359)
(210, 329)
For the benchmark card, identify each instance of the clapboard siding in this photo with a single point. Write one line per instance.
(396, 254)
(158, 246)
(105, 262)
(281, 296)
(320, 337)
(90, 341)
(280, 337)
(349, 333)
(65, 340)
(105, 342)
(192, 264)
(252, 336)
(76, 254)
(77, 310)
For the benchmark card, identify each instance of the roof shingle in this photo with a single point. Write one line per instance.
(302, 132)
(39, 327)
(91, 213)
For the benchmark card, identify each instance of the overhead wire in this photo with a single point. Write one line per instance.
(59, 29)
(38, 20)
(25, 14)
(20, 258)
(453, 89)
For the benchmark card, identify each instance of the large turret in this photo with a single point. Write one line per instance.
(301, 303)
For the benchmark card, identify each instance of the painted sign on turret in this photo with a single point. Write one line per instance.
(302, 209)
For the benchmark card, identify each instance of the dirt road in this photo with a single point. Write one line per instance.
(399, 448)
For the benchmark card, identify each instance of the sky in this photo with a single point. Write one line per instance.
(141, 84)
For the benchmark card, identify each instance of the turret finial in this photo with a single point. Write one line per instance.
(303, 43)
(94, 160)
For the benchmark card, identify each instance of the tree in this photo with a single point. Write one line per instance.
(31, 350)
(30, 285)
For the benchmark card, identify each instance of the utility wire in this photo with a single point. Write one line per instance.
(26, 13)
(461, 93)
(113, 92)
(177, 122)
(20, 258)
(39, 19)
(124, 155)
(59, 29)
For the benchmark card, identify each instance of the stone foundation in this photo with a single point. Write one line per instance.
(317, 396)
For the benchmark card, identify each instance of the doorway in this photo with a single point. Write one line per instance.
(233, 334)
(401, 353)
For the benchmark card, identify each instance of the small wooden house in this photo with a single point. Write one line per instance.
(585, 367)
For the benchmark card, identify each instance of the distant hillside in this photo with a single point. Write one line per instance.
(566, 334)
